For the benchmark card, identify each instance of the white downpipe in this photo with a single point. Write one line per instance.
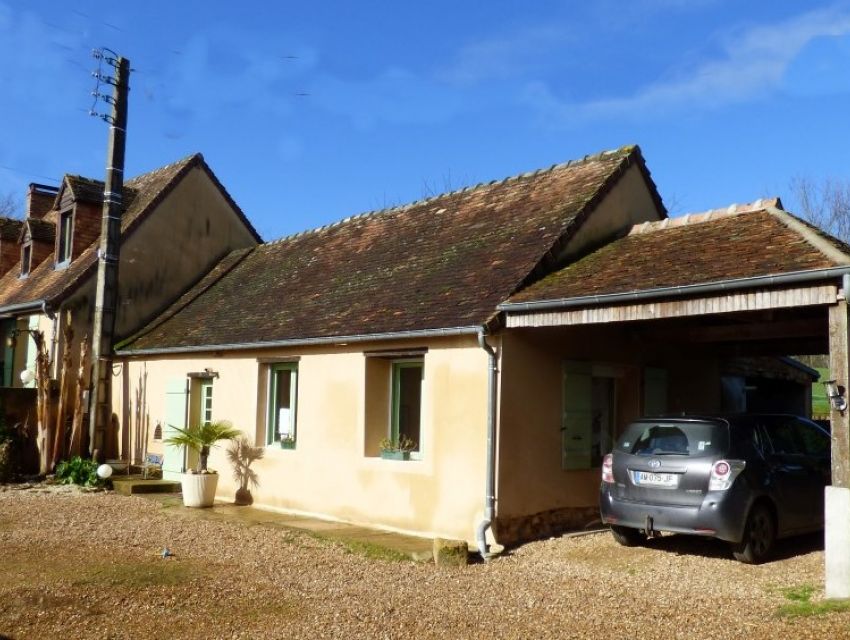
(490, 489)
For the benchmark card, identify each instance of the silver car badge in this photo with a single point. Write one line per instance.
(654, 464)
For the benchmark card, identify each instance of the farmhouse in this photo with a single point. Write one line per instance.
(508, 331)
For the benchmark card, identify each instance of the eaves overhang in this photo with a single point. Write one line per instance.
(303, 342)
(682, 291)
(22, 307)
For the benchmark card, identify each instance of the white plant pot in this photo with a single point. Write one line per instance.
(199, 489)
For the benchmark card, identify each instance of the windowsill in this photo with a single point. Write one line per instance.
(275, 446)
(61, 266)
(414, 467)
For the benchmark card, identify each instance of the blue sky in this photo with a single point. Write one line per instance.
(728, 100)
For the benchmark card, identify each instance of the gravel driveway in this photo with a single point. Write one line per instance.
(88, 564)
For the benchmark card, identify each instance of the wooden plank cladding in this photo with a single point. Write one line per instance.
(754, 300)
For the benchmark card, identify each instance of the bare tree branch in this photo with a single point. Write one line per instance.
(825, 204)
(9, 206)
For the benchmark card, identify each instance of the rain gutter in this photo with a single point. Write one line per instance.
(33, 305)
(718, 286)
(305, 342)
(490, 488)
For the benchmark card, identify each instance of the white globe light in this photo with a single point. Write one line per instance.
(104, 471)
(27, 376)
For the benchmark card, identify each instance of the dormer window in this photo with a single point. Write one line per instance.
(65, 247)
(26, 258)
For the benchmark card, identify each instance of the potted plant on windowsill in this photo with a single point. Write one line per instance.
(287, 442)
(199, 484)
(392, 449)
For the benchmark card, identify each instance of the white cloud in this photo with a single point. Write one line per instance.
(503, 56)
(751, 65)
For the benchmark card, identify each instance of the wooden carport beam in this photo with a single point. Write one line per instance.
(837, 498)
(807, 327)
(839, 370)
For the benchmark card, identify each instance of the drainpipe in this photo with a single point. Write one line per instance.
(490, 492)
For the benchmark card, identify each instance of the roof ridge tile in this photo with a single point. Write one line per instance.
(602, 155)
(762, 204)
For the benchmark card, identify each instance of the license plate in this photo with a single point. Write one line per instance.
(648, 478)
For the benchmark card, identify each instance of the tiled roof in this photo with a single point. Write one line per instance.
(141, 193)
(741, 242)
(41, 230)
(440, 263)
(85, 188)
(10, 229)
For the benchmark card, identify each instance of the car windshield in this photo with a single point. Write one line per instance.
(673, 438)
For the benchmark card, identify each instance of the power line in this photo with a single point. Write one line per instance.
(28, 173)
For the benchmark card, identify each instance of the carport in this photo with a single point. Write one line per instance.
(748, 282)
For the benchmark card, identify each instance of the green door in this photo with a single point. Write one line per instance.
(577, 416)
(176, 396)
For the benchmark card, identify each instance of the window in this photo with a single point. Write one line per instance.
(695, 439)
(283, 395)
(394, 400)
(792, 436)
(206, 397)
(406, 420)
(64, 249)
(26, 256)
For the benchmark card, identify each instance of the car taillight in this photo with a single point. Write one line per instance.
(723, 474)
(608, 469)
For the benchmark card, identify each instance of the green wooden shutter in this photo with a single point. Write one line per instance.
(176, 397)
(654, 391)
(577, 416)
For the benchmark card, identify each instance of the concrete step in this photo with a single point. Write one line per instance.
(134, 486)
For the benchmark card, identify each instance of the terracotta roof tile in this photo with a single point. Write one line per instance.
(41, 230)
(10, 229)
(440, 263)
(711, 247)
(85, 189)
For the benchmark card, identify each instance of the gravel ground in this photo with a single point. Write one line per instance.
(77, 564)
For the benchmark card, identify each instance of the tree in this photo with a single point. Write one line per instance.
(825, 204)
(9, 206)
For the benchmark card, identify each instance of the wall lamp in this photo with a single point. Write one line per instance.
(835, 393)
(12, 338)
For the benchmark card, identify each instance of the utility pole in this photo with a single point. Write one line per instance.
(106, 295)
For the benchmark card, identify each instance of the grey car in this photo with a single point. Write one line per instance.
(747, 479)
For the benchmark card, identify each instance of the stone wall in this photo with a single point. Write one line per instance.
(510, 531)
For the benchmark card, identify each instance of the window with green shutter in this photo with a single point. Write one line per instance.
(282, 403)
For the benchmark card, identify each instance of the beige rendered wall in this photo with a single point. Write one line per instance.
(186, 234)
(530, 478)
(627, 204)
(23, 355)
(329, 474)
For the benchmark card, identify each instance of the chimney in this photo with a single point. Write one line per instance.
(40, 199)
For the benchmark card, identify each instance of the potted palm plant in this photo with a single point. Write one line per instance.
(199, 484)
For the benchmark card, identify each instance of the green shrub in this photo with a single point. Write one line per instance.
(79, 471)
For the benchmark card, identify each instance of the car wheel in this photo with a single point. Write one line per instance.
(759, 536)
(627, 536)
